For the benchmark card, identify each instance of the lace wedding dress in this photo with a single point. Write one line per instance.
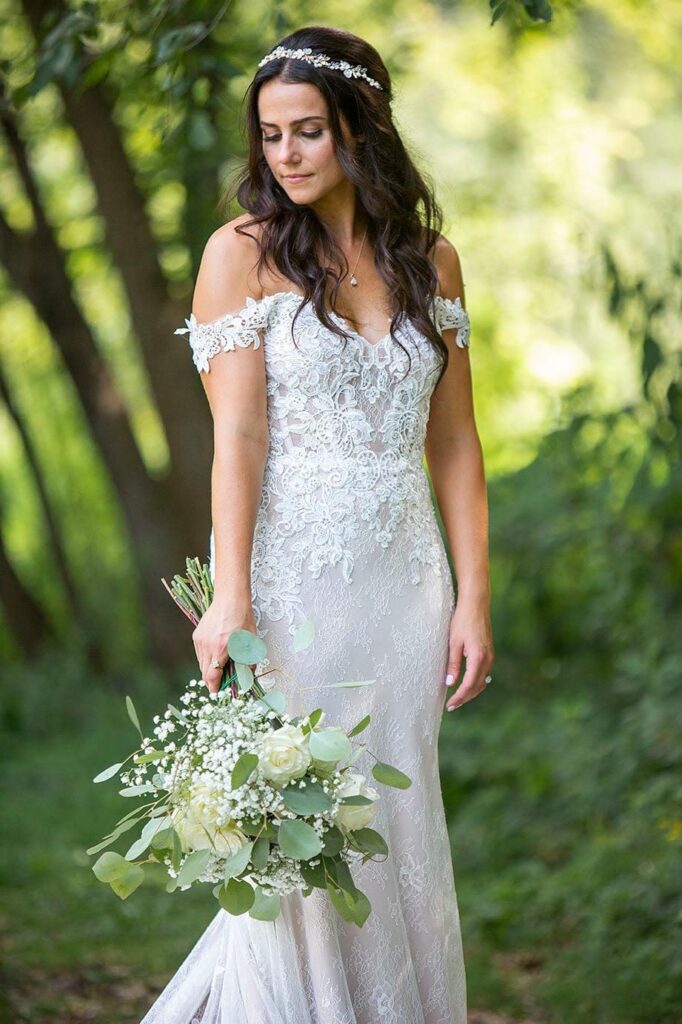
(346, 534)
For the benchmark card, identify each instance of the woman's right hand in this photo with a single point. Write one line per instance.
(210, 638)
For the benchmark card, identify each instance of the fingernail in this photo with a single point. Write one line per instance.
(452, 708)
(448, 680)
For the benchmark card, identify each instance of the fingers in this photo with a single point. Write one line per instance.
(454, 662)
(478, 664)
(211, 675)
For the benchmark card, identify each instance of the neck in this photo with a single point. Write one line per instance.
(342, 216)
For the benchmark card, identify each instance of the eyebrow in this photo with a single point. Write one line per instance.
(299, 120)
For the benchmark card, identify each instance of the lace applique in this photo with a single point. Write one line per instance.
(227, 332)
(347, 427)
(451, 313)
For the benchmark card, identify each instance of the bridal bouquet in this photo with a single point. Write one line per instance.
(239, 794)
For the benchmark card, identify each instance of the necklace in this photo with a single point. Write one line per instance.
(353, 278)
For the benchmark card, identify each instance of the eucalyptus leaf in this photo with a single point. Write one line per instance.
(333, 841)
(108, 773)
(126, 884)
(298, 840)
(260, 853)
(356, 800)
(132, 715)
(245, 765)
(109, 866)
(330, 744)
(194, 866)
(236, 896)
(340, 902)
(265, 908)
(235, 864)
(153, 755)
(113, 836)
(391, 776)
(178, 714)
(312, 799)
(369, 840)
(313, 875)
(360, 726)
(144, 787)
(304, 636)
(245, 677)
(245, 646)
(274, 700)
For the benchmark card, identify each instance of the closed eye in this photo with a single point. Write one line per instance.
(307, 135)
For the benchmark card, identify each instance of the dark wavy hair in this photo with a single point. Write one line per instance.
(403, 216)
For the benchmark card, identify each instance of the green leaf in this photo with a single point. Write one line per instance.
(109, 866)
(148, 832)
(304, 636)
(340, 902)
(176, 855)
(129, 882)
(391, 776)
(171, 885)
(310, 800)
(245, 646)
(245, 677)
(265, 908)
(153, 755)
(236, 896)
(261, 852)
(144, 787)
(132, 715)
(333, 841)
(298, 840)
(314, 717)
(273, 700)
(360, 726)
(194, 866)
(108, 772)
(369, 840)
(235, 864)
(330, 744)
(178, 714)
(314, 875)
(113, 836)
(243, 768)
(357, 800)
(163, 840)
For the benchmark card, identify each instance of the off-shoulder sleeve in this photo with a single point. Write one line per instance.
(228, 332)
(449, 313)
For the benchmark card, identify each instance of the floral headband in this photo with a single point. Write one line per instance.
(321, 60)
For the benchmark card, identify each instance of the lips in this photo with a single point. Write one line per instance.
(294, 178)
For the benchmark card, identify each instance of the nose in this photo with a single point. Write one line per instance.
(287, 153)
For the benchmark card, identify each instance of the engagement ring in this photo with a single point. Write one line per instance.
(488, 679)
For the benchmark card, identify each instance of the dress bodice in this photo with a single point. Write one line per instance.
(347, 425)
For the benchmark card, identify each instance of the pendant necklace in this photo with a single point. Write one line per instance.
(353, 278)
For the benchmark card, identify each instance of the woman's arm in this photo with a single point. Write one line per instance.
(455, 461)
(235, 386)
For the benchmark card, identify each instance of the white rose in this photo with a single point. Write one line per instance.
(284, 754)
(352, 816)
(202, 802)
(197, 835)
(229, 839)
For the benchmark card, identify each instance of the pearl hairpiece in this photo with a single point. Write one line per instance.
(321, 60)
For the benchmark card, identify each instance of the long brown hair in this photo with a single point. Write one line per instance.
(402, 214)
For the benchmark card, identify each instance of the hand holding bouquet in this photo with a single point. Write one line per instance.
(240, 794)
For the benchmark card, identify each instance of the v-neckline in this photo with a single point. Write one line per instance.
(340, 320)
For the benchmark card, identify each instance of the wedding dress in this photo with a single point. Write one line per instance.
(346, 534)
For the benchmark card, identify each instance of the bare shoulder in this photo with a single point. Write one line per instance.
(227, 272)
(447, 263)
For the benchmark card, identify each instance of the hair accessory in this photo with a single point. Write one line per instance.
(322, 60)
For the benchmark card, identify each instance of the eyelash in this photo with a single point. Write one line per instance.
(307, 135)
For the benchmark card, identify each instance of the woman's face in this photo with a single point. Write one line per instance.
(297, 140)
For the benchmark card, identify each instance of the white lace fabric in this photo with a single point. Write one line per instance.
(346, 533)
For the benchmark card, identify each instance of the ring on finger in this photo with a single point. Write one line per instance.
(216, 664)
(488, 679)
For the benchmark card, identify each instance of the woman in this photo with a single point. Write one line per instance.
(331, 337)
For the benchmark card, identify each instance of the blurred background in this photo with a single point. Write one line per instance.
(553, 135)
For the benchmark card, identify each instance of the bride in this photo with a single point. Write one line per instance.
(329, 329)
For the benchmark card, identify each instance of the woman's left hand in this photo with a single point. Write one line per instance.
(471, 638)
